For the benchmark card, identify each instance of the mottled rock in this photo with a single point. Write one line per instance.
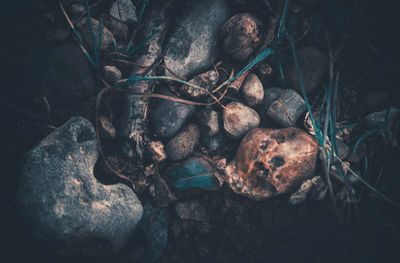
(313, 65)
(239, 119)
(287, 108)
(111, 74)
(252, 90)
(191, 210)
(189, 49)
(169, 116)
(181, 145)
(206, 80)
(124, 11)
(270, 95)
(271, 162)
(107, 38)
(265, 73)
(240, 36)
(209, 122)
(63, 204)
(62, 73)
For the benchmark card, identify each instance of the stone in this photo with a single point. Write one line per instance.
(313, 65)
(287, 108)
(265, 73)
(342, 150)
(213, 143)
(107, 37)
(313, 189)
(63, 204)
(111, 74)
(375, 119)
(169, 116)
(252, 90)
(206, 80)
(208, 120)
(77, 9)
(181, 145)
(119, 29)
(270, 162)
(61, 73)
(107, 127)
(239, 119)
(191, 210)
(189, 49)
(240, 36)
(124, 11)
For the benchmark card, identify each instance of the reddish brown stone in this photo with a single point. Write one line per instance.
(270, 162)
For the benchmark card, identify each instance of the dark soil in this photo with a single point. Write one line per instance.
(238, 229)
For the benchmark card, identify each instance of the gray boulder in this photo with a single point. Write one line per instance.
(189, 49)
(62, 202)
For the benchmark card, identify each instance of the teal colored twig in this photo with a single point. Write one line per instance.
(140, 44)
(282, 21)
(96, 55)
(366, 136)
(127, 49)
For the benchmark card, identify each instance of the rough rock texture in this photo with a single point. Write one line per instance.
(107, 128)
(313, 189)
(169, 116)
(189, 49)
(124, 11)
(287, 108)
(62, 202)
(313, 65)
(213, 143)
(191, 210)
(240, 35)
(271, 162)
(252, 90)
(107, 38)
(119, 29)
(239, 119)
(206, 80)
(209, 122)
(180, 146)
(62, 74)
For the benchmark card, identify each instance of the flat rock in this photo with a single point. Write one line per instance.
(313, 65)
(252, 90)
(181, 145)
(63, 204)
(239, 119)
(169, 116)
(269, 162)
(124, 11)
(287, 108)
(189, 49)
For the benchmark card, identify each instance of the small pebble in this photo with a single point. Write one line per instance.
(239, 119)
(206, 80)
(107, 37)
(287, 109)
(111, 74)
(107, 127)
(209, 122)
(213, 143)
(252, 90)
(157, 151)
(180, 146)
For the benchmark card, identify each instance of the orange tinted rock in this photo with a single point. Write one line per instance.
(271, 162)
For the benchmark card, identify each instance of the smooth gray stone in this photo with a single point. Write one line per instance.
(190, 46)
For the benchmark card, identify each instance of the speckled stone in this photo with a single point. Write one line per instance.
(181, 145)
(239, 119)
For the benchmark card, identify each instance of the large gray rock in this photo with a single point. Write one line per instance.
(62, 202)
(189, 49)
(124, 11)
